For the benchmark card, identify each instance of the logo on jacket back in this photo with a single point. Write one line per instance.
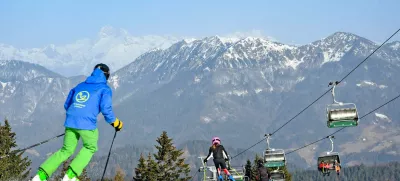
(81, 97)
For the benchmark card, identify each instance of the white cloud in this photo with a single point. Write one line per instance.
(113, 46)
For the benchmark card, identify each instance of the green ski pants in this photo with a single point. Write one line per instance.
(82, 159)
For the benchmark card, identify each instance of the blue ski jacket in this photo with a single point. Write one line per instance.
(87, 100)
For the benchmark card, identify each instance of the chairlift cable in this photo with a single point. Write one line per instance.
(322, 94)
(337, 82)
(343, 127)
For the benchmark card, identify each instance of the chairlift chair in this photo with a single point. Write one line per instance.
(274, 157)
(209, 172)
(341, 114)
(277, 175)
(237, 173)
(330, 158)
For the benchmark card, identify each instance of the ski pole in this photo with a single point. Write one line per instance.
(108, 157)
(35, 145)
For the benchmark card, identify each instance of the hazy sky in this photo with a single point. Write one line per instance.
(37, 23)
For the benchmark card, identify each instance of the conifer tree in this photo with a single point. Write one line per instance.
(288, 176)
(152, 171)
(12, 164)
(120, 174)
(140, 169)
(254, 169)
(248, 169)
(171, 167)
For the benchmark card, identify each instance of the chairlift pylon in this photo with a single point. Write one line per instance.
(341, 114)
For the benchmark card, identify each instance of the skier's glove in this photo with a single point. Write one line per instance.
(117, 124)
(205, 160)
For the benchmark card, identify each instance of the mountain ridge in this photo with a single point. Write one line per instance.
(196, 86)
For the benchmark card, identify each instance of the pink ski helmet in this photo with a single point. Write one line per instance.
(216, 140)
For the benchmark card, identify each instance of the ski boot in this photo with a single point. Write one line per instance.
(70, 175)
(231, 178)
(40, 176)
(220, 178)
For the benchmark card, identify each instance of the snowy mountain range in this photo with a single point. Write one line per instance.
(238, 89)
(114, 46)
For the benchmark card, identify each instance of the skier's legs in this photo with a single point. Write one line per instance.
(82, 159)
(223, 167)
(217, 166)
(71, 139)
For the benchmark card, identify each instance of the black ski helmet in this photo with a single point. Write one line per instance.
(104, 68)
(260, 163)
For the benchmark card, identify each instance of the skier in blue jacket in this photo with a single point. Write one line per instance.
(83, 104)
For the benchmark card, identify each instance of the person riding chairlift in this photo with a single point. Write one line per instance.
(263, 173)
(337, 167)
(324, 167)
(218, 152)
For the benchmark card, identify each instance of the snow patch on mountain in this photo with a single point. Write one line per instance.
(205, 119)
(3, 84)
(234, 92)
(197, 79)
(333, 55)
(293, 63)
(257, 90)
(114, 80)
(383, 117)
(395, 45)
(366, 83)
